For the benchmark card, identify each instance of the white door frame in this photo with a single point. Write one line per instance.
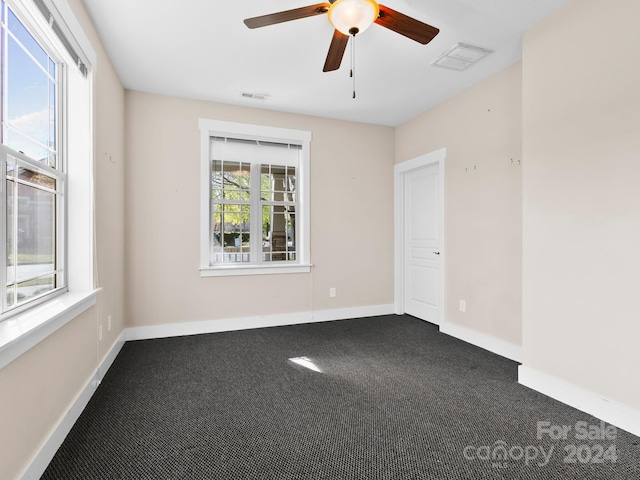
(399, 171)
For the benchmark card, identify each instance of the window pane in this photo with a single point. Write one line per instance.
(265, 182)
(230, 180)
(21, 33)
(216, 179)
(52, 116)
(36, 178)
(24, 144)
(216, 227)
(23, 291)
(27, 96)
(278, 183)
(231, 233)
(277, 178)
(35, 232)
(278, 233)
(37, 286)
(12, 291)
(10, 254)
(237, 181)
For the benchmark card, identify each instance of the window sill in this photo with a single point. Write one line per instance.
(20, 333)
(226, 271)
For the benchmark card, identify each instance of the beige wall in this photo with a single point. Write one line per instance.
(581, 181)
(109, 193)
(351, 217)
(482, 131)
(572, 119)
(41, 385)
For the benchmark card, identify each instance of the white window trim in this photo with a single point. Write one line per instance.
(22, 332)
(26, 329)
(209, 128)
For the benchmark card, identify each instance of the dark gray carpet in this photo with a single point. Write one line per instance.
(395, 399)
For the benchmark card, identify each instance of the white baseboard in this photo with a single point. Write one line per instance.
(612, 412)
(482, 340)
(353, 312)
(45, 455)
(109, 358)
(246, 323)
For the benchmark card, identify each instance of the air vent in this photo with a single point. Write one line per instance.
(254, 96)
(460, 56)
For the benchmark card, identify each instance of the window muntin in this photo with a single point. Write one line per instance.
(29, 93)
(246, 189)
(255, 208)
(278, 202)
(230, 211)
(32, 200)
(231, 232)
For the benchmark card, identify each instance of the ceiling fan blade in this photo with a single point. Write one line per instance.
(405, 25)
(287, 15)
(336, 51)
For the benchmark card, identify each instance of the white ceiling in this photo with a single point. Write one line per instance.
(201, 49)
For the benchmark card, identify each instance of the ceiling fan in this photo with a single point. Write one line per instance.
(349, 18)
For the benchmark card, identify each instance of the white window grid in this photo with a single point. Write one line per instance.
(16, 274)
(52, 166)
(251, 212)
(53, 159)
(285, 206)
(299, 261)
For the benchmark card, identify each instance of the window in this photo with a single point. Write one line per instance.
(32, 200)
(43, 132)
(255, 199)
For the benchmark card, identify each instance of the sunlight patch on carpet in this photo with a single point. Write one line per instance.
(306, 363)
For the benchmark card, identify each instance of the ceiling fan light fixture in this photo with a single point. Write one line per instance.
(351, 17)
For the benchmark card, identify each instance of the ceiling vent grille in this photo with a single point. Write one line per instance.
(460, 57)
(254, 96)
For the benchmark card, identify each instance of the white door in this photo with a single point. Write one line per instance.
(422, 259)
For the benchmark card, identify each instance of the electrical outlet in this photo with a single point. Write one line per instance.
(463, 305)
(332, 292)
(109, 323)
(100, 333)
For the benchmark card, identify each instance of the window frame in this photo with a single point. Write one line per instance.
(29, 20)
(217, 128)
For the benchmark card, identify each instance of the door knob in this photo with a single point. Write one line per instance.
(436, 253)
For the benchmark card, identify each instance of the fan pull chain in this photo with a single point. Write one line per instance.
(353, 62)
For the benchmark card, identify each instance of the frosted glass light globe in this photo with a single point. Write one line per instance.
(353, 16)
